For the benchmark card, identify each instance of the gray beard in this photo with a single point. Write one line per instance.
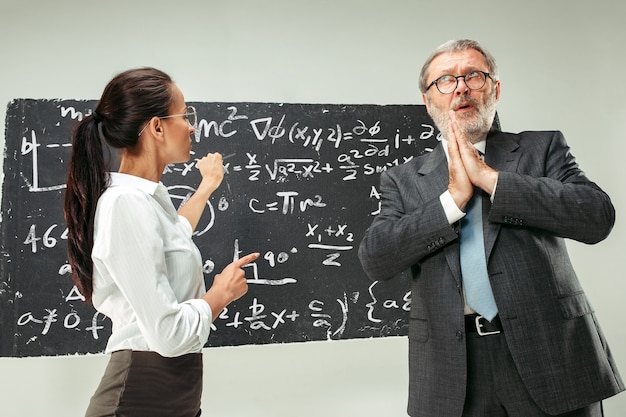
(476, 127)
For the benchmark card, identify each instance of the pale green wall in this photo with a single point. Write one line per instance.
(561, 65)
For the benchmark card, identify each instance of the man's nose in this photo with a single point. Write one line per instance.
(461, 88)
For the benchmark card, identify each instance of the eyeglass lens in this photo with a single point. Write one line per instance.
(192, 116)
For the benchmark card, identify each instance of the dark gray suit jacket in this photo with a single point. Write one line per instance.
(541, 198)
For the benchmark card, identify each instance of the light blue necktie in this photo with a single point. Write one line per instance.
(478, 292)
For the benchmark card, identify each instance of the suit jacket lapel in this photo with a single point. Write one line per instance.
(435, 169)
(499, 155)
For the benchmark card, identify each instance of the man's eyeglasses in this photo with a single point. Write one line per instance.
(474, 80)
(190, 115)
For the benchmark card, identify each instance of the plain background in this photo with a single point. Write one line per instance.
(561, 65)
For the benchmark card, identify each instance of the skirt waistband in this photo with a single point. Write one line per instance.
(146, 383)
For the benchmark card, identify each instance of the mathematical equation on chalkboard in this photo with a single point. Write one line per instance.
(300, 187)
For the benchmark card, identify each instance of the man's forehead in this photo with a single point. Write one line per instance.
(450, 62)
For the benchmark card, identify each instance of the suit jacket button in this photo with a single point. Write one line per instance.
(459, 335)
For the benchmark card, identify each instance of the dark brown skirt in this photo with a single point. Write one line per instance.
(138, 384)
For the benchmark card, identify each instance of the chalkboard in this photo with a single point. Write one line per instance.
(300, 187)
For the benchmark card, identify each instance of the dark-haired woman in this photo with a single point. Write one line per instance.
(132, 253)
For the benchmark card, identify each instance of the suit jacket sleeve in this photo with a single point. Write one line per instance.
(549, 192)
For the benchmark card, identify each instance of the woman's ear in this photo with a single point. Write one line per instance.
(156, 128)
(158, 125)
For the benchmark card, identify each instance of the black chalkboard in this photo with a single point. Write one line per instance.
(300, 188)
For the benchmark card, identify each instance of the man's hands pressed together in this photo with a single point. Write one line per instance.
(467, 169)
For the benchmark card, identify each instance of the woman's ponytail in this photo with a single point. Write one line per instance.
(86, 180)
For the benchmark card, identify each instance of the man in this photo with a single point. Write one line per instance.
(521, 339)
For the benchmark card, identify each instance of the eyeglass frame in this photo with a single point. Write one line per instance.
(186, 114)
(456, 78)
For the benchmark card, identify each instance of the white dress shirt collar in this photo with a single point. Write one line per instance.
(147, 186)
(155, 189)
(481, 146)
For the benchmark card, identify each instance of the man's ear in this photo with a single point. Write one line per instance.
(426, 102)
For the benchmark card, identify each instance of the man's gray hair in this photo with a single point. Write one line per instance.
(457, 46)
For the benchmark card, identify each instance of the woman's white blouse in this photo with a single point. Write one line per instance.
(147, 271)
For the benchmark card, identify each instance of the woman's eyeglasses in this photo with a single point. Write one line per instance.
(190, 115)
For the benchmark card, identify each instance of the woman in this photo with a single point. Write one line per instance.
(132, 254)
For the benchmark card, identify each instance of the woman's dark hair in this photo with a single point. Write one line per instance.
(129, 100)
